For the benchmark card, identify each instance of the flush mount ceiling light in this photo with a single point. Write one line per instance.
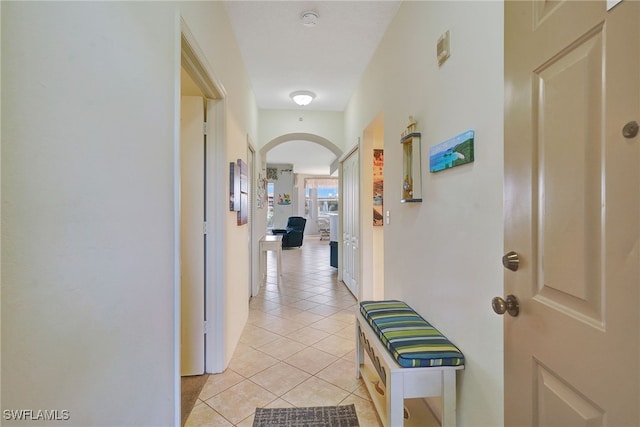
(309, 18)
(302, 97)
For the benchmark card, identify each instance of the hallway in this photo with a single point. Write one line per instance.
(297, 349)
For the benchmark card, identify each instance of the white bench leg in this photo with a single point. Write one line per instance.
(449, 398)
(395, 400)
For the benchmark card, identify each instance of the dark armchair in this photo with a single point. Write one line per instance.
(293, 233)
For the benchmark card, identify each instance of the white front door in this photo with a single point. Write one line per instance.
(192, 259)
(351, 222)
(572, 213)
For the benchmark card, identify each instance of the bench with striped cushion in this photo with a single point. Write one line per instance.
(409, 360)
(410, 339)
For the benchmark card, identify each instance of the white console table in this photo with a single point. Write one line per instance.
(270, 243)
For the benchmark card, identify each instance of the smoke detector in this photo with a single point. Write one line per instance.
(309, 18)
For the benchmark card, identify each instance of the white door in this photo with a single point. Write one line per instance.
(192, 244)
(572, 213)
(254, 284)
(351, 222)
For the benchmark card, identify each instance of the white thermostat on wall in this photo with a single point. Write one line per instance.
(443, 48)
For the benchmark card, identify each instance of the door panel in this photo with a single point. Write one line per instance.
(569, 112)
(558, 404)
(351, 223)
(572, 213)
(192, 265)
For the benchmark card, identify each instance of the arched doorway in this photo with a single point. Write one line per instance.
(290, 161)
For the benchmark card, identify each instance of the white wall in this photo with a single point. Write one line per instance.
(0, 208)
(326, 124)
(443, 255)
(88, 203)
(87, 301)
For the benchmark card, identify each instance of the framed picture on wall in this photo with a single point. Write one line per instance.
(261, 191)
(234, 187)
(378, 186)
(453, 152)
(243, 195)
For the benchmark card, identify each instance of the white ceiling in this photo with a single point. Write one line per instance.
(282, 55)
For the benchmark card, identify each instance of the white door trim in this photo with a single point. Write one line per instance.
(194, 61)
(254, 235)
(189, 55)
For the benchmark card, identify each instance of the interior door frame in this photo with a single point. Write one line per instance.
(341, 206)
(189, 56)
(254, 283)
(371, 237)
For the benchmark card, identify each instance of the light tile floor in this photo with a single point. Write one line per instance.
(297, 349)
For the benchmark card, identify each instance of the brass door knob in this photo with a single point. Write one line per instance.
(511, 261)
(510, 305)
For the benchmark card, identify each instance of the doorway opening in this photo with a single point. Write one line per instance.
(199, 260)
(372, 239)
(286, 160)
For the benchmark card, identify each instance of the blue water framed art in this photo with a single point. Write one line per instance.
(452, 152)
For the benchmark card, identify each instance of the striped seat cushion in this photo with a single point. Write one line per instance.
(410, 339)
